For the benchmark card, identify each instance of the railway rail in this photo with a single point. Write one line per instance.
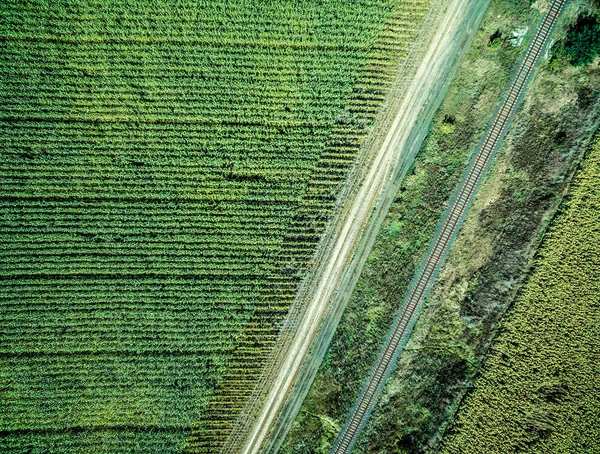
(448, 228)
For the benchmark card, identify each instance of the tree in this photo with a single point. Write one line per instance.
(583, 41)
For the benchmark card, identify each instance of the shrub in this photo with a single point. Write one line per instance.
(582, 43)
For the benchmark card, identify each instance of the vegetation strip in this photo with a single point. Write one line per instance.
(449, 227)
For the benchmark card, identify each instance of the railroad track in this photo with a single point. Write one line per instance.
(448, 228)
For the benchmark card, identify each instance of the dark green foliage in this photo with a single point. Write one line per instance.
(582, 43)
(495, 39)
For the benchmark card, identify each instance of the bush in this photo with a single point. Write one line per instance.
(583, 41)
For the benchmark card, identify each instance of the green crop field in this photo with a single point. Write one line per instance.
(539, 391)
(166, 170)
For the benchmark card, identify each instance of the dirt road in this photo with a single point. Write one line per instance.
(388, 154)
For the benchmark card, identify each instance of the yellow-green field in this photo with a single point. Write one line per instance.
(539, 391)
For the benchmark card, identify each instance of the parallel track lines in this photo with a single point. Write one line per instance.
(449, 227)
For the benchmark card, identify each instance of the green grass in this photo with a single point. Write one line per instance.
(166, 170)
(539, 392)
